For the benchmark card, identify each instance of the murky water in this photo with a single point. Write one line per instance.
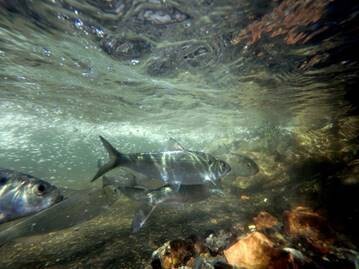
(272, 80)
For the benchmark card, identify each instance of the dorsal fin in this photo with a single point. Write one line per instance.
(174, 145)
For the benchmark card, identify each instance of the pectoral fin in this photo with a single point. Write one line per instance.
(140, 219)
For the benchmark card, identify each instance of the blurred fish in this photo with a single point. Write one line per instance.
(176, 166)
(165, 195)
(78, 206)
(22, 195)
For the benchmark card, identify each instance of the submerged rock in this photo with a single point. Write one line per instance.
(117, 7)
(126, 48)
(174, 253)
(303, 222)
(217, 242)
(163, 16)
(187, 56)
(252, 251)
(193, 252)
(287, 21)
(264, 220)
(271, 248)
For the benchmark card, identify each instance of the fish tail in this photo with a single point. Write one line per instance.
(116, 159)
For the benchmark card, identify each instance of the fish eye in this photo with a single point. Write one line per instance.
(40, 189)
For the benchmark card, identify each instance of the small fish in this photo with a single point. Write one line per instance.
(22, 195)
(243, 165)
(177, 166)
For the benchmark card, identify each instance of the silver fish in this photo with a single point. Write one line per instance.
(78, 206)
(22, 195)
(168, 195)
(177, 166)
(164, 195)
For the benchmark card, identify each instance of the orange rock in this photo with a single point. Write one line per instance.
(180, 250)
(254, 250)
(287, 20)
(264, 220)
(304, 222)
(167, 262)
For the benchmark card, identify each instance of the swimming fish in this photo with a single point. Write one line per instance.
(164, 195)
(22, 195)
(177, 166)
(77, 207)
(168, 195)
(243, 165)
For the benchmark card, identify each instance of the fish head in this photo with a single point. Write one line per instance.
(245, 166)
(220, 168)
(37, 195)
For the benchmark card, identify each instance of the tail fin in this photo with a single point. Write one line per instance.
(115, 159)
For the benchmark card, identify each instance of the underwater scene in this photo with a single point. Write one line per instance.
(179, 134)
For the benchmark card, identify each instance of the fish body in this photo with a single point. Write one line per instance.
(244, 166)
(177, 167)
(185, 194)
(78, 206)
(164, 195)
(22, 195)
(167, 194)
